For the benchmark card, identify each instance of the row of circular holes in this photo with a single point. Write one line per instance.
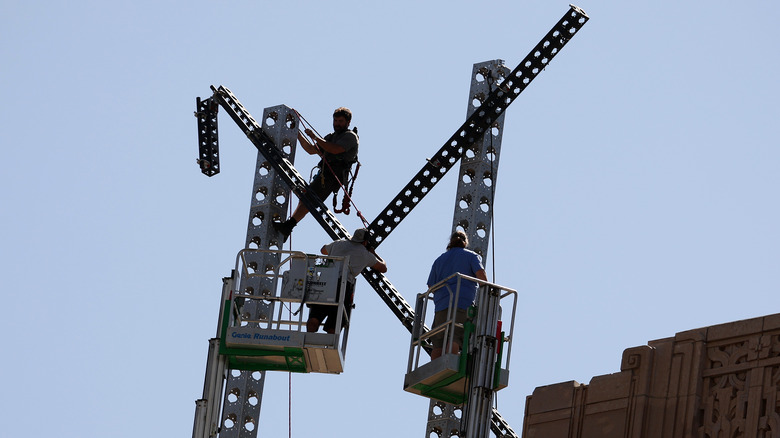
(437, 432)
(480, 77)
(233, 396)
(481, 228)
(414, 200)
(465, 203)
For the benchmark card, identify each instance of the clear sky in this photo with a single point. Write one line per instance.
(636, 198)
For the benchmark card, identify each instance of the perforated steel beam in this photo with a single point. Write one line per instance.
(479, 166)
(474, 128)
(243, 393)
(500, 427)
(208, 141)
(473, 205)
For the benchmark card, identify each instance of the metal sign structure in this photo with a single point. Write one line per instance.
(477, 139)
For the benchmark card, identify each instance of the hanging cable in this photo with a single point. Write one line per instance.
(289, 374)
(492, 213)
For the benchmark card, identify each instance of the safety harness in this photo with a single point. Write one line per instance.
(347, 186)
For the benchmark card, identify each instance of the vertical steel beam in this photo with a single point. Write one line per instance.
(473, 206)
(479, 165)
(270, 197)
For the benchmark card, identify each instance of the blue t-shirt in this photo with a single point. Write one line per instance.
(453, 261)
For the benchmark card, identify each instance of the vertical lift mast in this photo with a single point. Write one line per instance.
(275, 141)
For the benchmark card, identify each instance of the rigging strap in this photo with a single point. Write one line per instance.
(348, 194)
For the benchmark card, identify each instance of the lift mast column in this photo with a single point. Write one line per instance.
(487, 346)
(464, 380)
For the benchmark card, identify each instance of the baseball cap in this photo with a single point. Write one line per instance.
(360, 235)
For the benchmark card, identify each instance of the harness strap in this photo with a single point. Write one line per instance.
(345, 201)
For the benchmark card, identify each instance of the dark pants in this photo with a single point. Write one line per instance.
(324, 183)
(328, 314)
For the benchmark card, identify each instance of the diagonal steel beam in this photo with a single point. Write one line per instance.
(475, 126)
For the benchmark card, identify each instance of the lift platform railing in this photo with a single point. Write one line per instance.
(276, 339)
(444, 378)
(422, 339)
(315, 284)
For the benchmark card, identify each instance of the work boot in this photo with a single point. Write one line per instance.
(285, 228)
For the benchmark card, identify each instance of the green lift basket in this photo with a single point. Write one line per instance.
(447, 377)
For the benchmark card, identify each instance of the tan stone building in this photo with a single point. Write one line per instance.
(714, 382)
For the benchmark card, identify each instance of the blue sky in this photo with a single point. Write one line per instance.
(637, 194)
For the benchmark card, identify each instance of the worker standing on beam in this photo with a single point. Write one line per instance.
(338, 151)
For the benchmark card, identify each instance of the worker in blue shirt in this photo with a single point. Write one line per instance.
(457, 259)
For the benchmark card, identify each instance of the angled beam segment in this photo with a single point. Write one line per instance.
(475, 126)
